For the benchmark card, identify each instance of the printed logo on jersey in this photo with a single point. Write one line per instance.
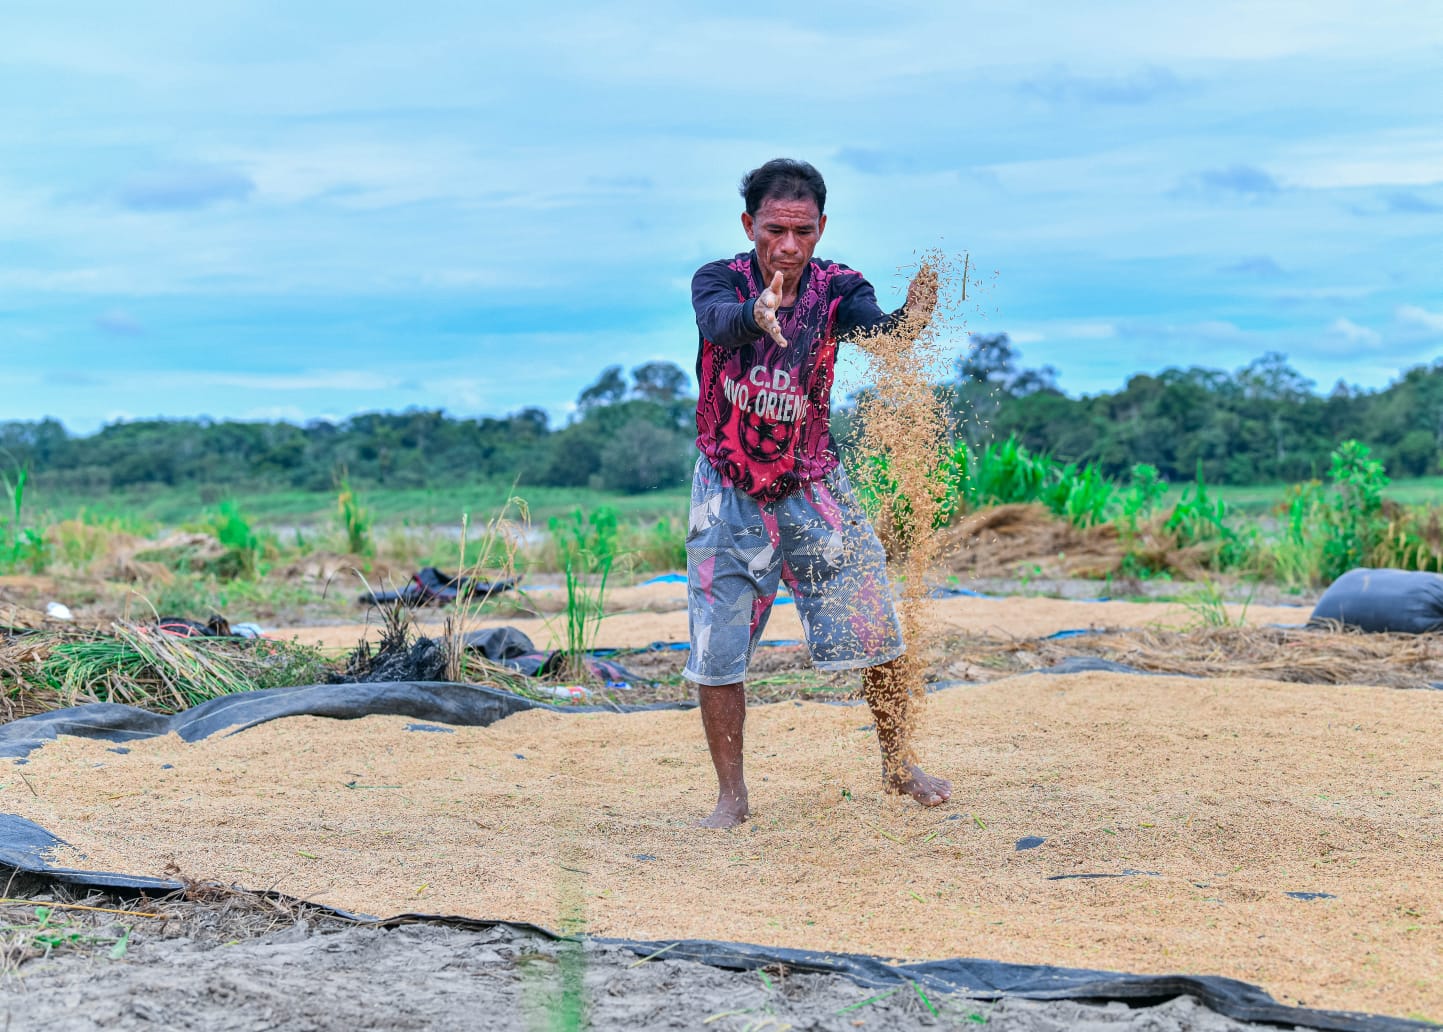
(766, 393)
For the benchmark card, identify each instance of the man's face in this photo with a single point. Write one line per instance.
(785, 234)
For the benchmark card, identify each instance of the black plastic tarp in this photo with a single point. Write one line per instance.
(464, 705)
(27, 847)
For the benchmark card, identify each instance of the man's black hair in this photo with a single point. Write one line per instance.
(783, 179)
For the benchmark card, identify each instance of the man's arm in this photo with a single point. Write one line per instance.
(725, 321)
(859, 314)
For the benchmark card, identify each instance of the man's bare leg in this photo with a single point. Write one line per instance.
(723, 712)
(886, 693)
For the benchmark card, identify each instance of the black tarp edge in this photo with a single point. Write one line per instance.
(464, 705)
(445, 702)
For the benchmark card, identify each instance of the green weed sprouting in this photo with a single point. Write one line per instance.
(20, 546)
(587, 550)
(355, 520)
(1199, 518)
(47, 930)
(1207, 604)
(244, 546)
(1354, 513)
(659, 546)
(1326, 531)
(498, 553)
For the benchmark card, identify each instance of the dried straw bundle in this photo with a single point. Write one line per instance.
(141, 666)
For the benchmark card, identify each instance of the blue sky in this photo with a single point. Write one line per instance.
(265, 210)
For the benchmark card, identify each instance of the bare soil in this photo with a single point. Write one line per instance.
(238, 968)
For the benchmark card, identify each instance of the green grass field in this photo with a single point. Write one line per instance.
(1259, 498)
(410, 507)
(431, 507)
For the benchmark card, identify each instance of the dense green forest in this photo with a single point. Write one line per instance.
(1262, 423)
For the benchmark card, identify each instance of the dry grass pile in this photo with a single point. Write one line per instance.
(23, 598)
(327, 572)
(1292, 655)
(132, 560)
(1008, 541)
(15, 617)
(40, 919)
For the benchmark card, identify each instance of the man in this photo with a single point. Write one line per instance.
(770, 501)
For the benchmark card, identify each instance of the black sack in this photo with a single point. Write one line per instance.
(1383, 601)
(499, 644)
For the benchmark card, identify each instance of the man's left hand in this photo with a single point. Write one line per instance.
(922, 293)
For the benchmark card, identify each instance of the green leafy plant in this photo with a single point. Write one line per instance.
(1138, 503)
(1083, 497)
(1294, 558)
(20, 546)
(243, 545)
(355, 520)
(1354, 511)
(1199, 518)
(1143, 495)
(657, 546)
(587, 546)
(1006, 473)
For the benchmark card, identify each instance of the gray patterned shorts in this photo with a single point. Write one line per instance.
(819, 542)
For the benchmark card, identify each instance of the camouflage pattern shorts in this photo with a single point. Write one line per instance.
(818, 542)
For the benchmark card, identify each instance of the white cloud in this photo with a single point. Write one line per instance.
(466, 394)
(320, 380)
(1412, 315)
(1088, 330)
(276, 414)
(1345, 331)
(1395, 157)
(1206, 331)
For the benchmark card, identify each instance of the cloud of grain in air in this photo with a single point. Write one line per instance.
(898, 451)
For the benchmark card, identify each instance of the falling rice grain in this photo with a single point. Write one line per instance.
(898, 458)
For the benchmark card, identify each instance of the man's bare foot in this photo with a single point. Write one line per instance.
(912, 780)
(730, 811)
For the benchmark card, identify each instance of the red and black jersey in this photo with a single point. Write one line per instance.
(763, 413)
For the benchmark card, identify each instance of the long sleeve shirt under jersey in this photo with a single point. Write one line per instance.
(763, 413)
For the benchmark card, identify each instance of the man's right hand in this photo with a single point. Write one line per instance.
(765, 310)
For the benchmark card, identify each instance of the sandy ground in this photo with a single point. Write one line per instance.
(1203, 802)
(329, 977)
(641, 615)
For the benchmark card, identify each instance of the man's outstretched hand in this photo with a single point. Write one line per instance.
(765, 310)
(922, 293)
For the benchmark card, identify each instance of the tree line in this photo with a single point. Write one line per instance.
(1261, 423)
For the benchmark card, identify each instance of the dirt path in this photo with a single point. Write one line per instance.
(325, 976)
